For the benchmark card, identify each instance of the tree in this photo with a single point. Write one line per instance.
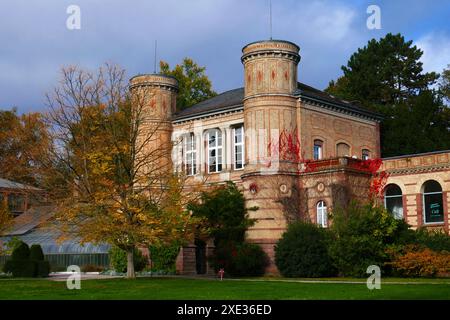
(117, 188)
(224, 212)
(386, 76)
(6, 220)
(423, 117)
(363, 233)
(444, 84)
(384, 72)
(24, 142)
(193, 84)
(225, 218)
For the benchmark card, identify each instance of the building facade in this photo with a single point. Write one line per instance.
(295, 151)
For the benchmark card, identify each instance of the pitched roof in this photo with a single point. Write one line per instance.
(30, 219)
(7, 184)
(224, 101)
(233, 99)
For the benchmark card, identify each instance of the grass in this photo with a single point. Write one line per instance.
(207, 289)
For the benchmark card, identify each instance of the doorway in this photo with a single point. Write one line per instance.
(200, 256)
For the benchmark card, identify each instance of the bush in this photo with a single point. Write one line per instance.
(224, 252)
(250, 260)
(434, 240)
(240, 259)
(118, 260)
(42, 268)
(21, 252)
(36, 253)
(302, 252)
(12, 244)
(363, 234)
(27, 262)
(20, 268)
(91, 268)
(163, 257)
(422, 263)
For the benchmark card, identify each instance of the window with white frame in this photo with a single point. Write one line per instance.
(238, 134)
(322, 214)
(214, 139)
(365, 154)
(190, 155)
(318, 147)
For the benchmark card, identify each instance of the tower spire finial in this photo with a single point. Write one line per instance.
(270, 18)
(156, 46)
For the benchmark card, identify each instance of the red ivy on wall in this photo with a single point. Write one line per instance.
(253, 188)
(287, 148)
(379, 178)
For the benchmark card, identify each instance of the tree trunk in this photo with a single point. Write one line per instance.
(130, 265)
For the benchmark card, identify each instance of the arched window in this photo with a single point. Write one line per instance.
(432, 202)
(393, 200)
(322, 218)
(342, 150)
(318, 149)
(365, 154)
(214, 138)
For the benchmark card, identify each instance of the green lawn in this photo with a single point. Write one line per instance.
(180, 288)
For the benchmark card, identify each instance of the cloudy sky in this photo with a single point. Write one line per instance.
(35, 42)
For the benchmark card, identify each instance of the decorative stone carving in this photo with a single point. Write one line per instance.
(284, 188)
(320, 187)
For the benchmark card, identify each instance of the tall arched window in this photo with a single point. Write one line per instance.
(433, 208)
(214, 138)
(342, 150)
(318, 149)
(322, 218)
(393, 200)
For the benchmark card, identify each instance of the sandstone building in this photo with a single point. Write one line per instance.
(294, 150)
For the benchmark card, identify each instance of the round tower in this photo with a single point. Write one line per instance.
(272, 141)
(154, 101)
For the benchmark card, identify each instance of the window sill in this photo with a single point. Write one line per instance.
(434, 224)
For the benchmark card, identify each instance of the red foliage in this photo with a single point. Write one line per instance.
(310, 166)
(287, 147)
(378, 183)
(370, 165)
(379, 178)
(253, 188)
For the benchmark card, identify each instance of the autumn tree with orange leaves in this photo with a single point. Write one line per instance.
(24, 143)
(109, 189)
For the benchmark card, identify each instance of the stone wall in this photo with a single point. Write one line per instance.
(333, 128)
(410, 173)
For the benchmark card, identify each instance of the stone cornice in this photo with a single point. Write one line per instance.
(279, 54)
(161, 85)
(279, 49)
(339, 108)
(209, 115)
(154, 80)
(420, 169)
